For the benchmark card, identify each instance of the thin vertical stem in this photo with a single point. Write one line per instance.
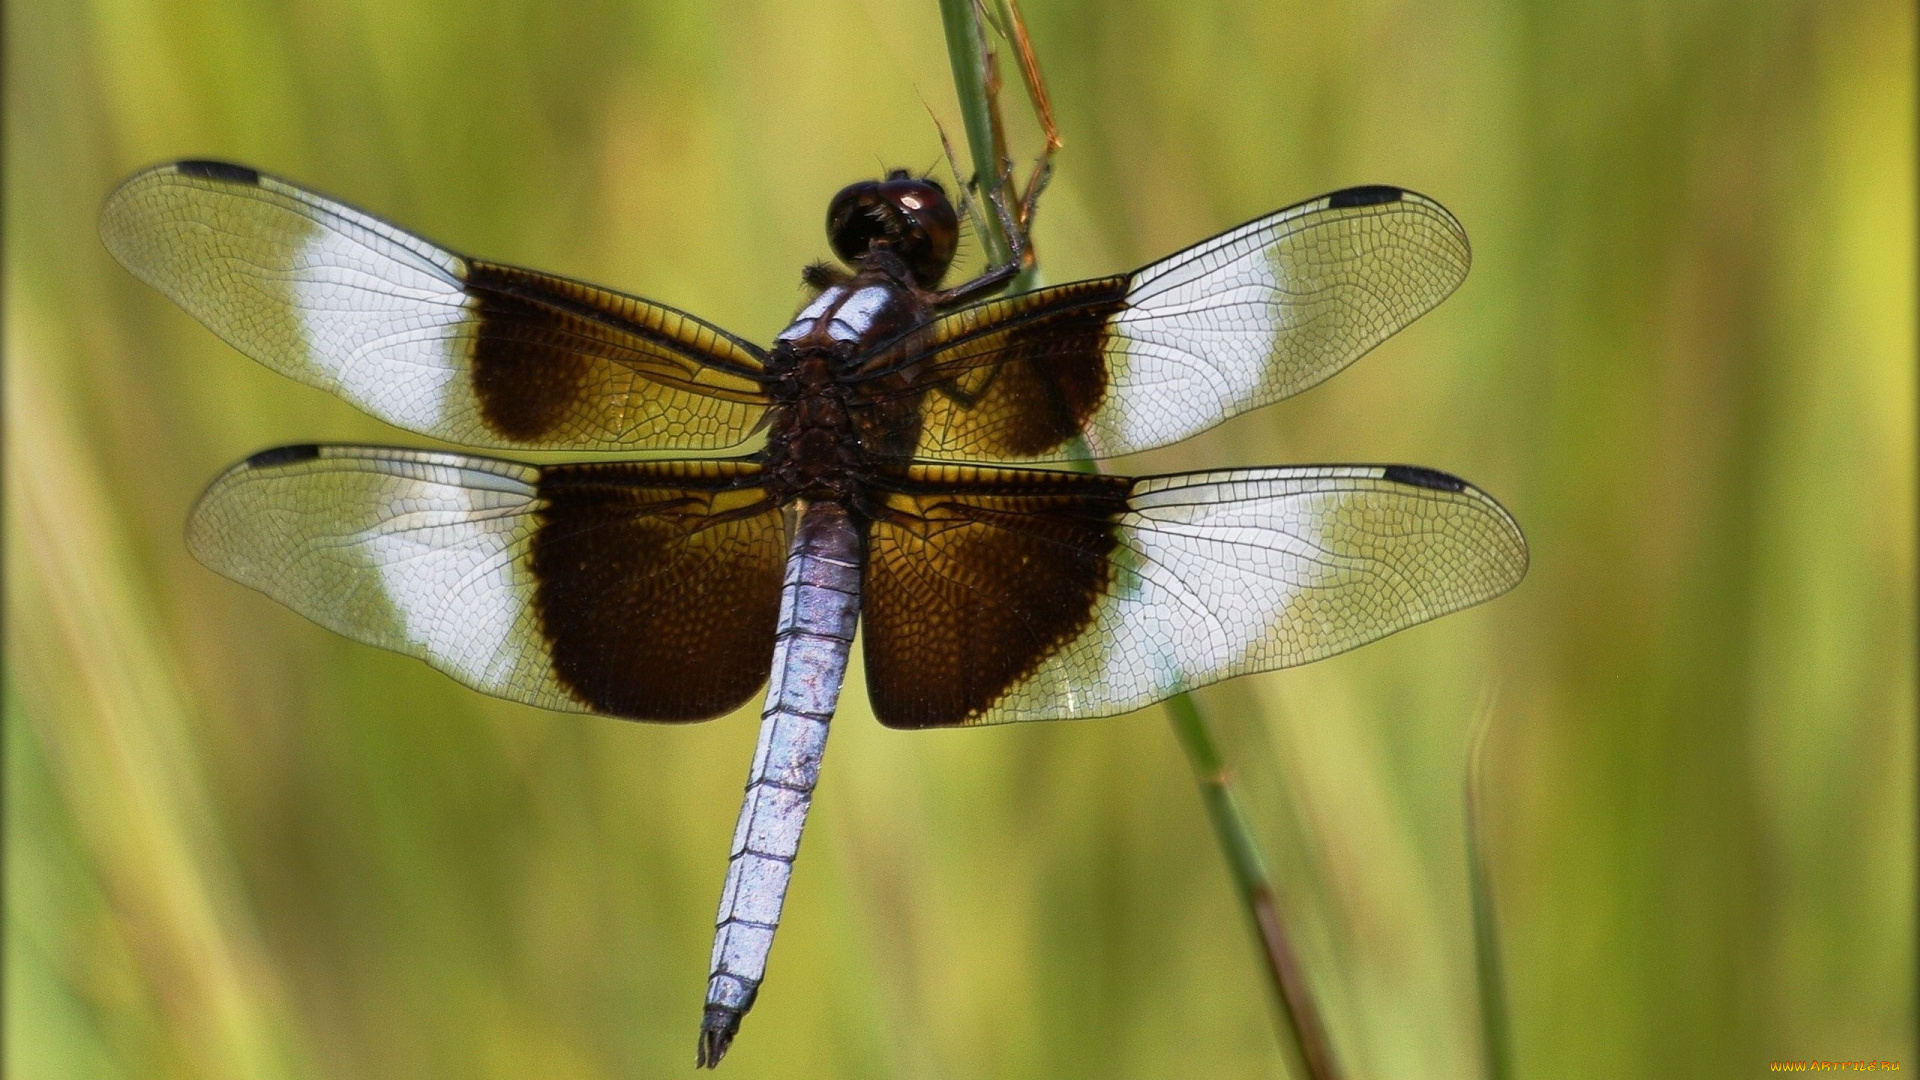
(1301, 1027)
(1300, 1020)
(1496, 1038)
(967, 54)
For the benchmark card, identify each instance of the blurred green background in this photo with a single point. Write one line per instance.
(238, 847)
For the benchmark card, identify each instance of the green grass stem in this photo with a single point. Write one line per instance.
(1302, 1031)
(1496, 1036)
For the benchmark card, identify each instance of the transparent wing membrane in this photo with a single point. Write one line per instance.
(647, 591)
(455, 348)
(1128, 363)
(1003, 595)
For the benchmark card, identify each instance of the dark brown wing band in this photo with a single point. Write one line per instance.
(552, 355)
(974, 577)
(1015, 378)
(658, 584)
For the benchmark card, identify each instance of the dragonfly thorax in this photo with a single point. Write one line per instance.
(817, 442)
(813, 450)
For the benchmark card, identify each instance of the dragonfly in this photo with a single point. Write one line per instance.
(896, 481)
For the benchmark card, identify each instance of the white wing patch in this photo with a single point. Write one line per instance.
(418, 552)
(445, 553)
(1201, 332)
(389, 328)
(1219, 574)
(1264, 311)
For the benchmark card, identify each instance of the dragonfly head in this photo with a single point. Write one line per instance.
(908, 216)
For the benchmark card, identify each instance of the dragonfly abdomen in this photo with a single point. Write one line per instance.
(819, 607)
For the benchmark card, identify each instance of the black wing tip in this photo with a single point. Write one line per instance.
(218, 170)
(1420, 476)
(717, 1030)
(1365, 195)
(284, 455)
